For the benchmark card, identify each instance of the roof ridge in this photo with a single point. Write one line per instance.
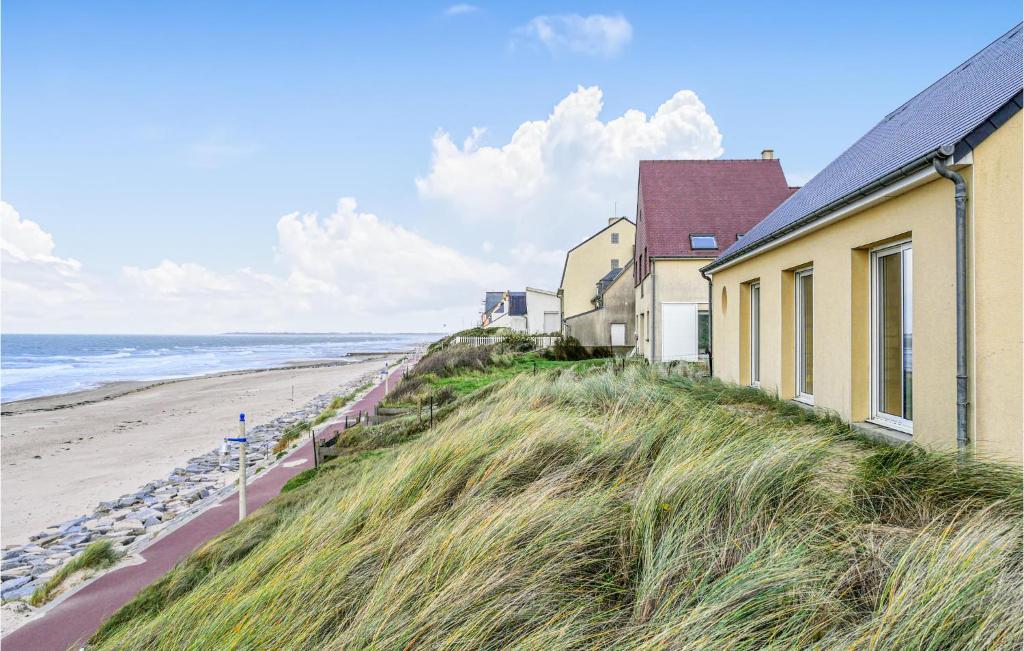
(945, 112)
(957, 68)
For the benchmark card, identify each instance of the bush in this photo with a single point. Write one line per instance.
(567, 349)
(600, 351)
(453, 360)
(519, 342)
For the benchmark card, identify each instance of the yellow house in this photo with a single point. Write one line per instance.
(889, 288)
(590, 261)
(689, 211)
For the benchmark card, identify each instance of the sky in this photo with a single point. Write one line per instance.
(198, 167)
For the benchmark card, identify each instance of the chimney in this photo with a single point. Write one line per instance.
(767, 154)
(612, 220)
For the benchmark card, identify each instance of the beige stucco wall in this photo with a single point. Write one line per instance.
(839, 256)
(594, 328)
(590, 261)
(997, 232)
(676, 281)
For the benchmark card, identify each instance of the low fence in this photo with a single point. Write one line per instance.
(540, 341)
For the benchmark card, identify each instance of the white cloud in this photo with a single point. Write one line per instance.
(349, 270)
(594, 35)
(173, 279)
(35, 281)
(461, 8)
(557, 179)
(375, 266)
(24, 243)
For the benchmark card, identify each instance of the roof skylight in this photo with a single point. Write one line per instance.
(703, 242)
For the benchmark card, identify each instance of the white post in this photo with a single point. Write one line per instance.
(241, 468)
(385, 371)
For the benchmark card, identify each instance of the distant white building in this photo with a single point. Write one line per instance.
(506, 311)
(534, 311)
(543, 311)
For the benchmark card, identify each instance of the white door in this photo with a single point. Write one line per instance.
(551, 322)
(618, 334)
(678, 331)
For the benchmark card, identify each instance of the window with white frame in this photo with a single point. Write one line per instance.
(755, 334)
(805, 335)
(615, 238)
(892, 328)
(615, 263)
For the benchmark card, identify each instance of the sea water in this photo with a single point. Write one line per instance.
(43, 365)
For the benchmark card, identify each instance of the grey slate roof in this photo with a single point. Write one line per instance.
(955, 110)
(608, 279)
(491, 299)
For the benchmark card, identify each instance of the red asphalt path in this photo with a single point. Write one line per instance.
(73, 621)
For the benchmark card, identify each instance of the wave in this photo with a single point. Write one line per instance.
(39, 365)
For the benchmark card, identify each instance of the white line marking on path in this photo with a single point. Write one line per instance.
(297, 462)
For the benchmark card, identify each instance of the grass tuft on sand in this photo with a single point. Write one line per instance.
(599, 507)
(97, 556)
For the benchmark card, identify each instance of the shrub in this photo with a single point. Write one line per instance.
(567, 349)
(453, 360)
(519, 342)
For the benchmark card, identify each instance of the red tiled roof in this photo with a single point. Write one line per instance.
(678, 198)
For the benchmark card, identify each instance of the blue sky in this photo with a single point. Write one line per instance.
(159, 145)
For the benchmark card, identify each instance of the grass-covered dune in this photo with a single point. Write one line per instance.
(609, 508)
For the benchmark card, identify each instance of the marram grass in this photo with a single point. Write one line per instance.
(603, 509)
(97, 556)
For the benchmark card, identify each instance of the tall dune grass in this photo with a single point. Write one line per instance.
(606, 509)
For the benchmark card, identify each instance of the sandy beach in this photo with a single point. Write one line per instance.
(62, 455)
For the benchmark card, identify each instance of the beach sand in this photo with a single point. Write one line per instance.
(62, 455)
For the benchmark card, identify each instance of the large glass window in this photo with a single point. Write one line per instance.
(755, 334)
(892, 334)
(805, 334)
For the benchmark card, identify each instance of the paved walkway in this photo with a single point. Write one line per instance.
(73, 621)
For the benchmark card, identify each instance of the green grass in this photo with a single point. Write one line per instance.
(595, 507)
(97, 556)
(472, 370)
(473, 380)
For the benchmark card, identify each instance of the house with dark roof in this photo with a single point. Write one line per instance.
(509, 311)
(535, 311)
(688, 212)
(888, 289)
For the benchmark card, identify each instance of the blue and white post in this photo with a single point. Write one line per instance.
(384, 376)
(240, 439)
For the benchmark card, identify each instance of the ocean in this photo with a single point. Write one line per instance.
(44, 365)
